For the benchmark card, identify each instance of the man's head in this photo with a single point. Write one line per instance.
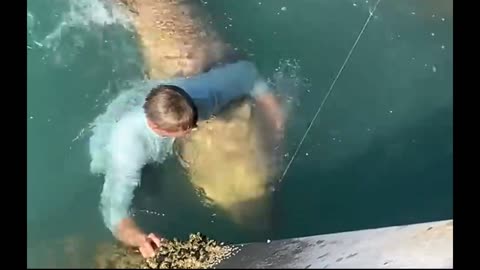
(170, 111)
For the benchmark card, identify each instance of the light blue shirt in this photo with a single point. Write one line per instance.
(122, 143)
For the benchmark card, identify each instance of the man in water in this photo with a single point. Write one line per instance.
(139, 127)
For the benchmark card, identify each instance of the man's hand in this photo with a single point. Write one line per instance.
(273, 111)
(130, 234)
(278, 121)
(148, 245)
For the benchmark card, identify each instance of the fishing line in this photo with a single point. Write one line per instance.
(329, 90)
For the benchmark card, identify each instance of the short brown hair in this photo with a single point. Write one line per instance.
(170, 108)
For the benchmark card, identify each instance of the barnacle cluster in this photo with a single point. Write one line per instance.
(198, 252)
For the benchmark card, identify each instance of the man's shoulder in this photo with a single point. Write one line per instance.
(129, 126)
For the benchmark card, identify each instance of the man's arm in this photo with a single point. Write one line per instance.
(116, 198)
(270, 106)
(121, 179)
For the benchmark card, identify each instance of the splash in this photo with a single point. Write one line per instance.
(75, 26)
(85, 15)
(288, 83)
(30, 21)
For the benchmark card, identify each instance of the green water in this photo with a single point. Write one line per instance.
(379, 153)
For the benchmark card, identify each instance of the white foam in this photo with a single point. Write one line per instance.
(85, 14)
(30, 20)
(288, 82)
